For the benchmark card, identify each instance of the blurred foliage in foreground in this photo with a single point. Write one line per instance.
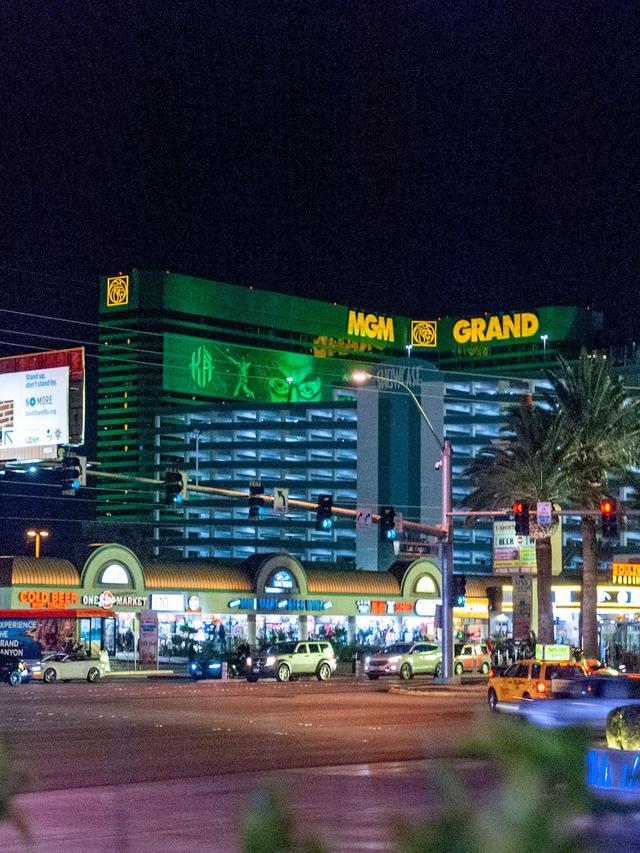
(536, 789)
(10, 782)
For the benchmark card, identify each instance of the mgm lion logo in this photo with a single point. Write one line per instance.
(424, 333)
(118, 290)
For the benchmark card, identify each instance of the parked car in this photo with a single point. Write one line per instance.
(288, 661)
(14, 671)
(531, 679)
(473, 657)
(405, 660)
(583, 702)
(58, 666)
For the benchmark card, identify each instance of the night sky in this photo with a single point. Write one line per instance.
(417, 158)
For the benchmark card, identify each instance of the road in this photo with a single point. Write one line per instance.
(164, 765)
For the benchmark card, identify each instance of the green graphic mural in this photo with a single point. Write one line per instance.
(234, 372)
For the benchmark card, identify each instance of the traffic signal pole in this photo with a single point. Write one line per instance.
(447, 563)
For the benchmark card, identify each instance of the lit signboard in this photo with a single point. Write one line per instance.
(34, 411)
(167, 602)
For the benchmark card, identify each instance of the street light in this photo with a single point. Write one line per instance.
(37, 535)
(544, 339)
(445, 463)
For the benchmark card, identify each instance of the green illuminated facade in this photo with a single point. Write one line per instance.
(235, 385)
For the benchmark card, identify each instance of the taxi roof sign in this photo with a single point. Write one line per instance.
(557, 652)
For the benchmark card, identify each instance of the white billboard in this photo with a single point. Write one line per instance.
(34, 412)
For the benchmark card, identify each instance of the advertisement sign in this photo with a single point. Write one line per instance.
(521, 607)
(513, 553)
(29, 638)
(235, 372)
(627, 573)
(148, 645)
(34, 409)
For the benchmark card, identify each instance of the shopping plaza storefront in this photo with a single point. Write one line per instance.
(269, 597)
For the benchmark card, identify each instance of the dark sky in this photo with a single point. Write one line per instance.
(420, 158)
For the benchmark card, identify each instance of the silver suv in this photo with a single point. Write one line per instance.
(288, 661)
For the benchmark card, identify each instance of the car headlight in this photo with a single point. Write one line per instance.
(271, 659)
(247, 661)
(214, 666)
(367, 659)
(193, 666)
(394, 659)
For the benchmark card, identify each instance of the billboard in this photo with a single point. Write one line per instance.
(34, 411)
(514, 553)
(236, 372)
(42, 402)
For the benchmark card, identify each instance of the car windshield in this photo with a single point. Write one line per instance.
(397, 649)
(280, 648)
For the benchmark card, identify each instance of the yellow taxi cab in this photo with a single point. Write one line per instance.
(532, 679)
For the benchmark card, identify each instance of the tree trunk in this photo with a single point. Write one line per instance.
(589, 611)
(545, 606)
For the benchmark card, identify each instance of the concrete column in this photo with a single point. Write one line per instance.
(351, 629)
(251, 629)
(303, 627)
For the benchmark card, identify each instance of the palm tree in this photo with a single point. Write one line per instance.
(527, 464)
(600, 428)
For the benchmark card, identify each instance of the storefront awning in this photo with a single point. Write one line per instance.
(352, 583)
(47, 571)
(166, 575)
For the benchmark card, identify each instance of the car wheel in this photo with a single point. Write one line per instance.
(438, 670)
(405, 672)
(93, 675)
(484, 669)
(492, 699)
(459, 669)
(14, 678)
(373, 677)
(283, 673)
(324, 672)
(49, 676)
(252, 678)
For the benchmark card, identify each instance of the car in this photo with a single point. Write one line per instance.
(58, 666)
(212, 667)
(531, 679)
(14, 671)
(584, 702)
(288, 661)
(405, 660)
(473, 657)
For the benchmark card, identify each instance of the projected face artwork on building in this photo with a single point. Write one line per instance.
(235, 372)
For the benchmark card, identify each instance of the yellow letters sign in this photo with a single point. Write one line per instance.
(370, 326)
(495, 328)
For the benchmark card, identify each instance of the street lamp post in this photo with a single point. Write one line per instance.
(445, 464)
(38, 535)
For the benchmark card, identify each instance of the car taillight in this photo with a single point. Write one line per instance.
(491, 673)
(541, 687)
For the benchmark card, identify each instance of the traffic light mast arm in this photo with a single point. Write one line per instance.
(429, 529)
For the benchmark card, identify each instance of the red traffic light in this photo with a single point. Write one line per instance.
(607, 506)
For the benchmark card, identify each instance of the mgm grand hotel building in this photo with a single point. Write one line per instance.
(237, 386)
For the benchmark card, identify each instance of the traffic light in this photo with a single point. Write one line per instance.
(609, 512)
(387, 524)
(256, 501)
(72, 474)
(521, 516)
(324, 518)
(458, 590)
(175, 487)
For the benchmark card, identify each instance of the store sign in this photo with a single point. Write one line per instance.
(370, 326)
(47, 598)
(495, 328)
(288, 604)
(148, 643)
(167, 602)
(107, 600)
(625, 574)
(380, 608)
